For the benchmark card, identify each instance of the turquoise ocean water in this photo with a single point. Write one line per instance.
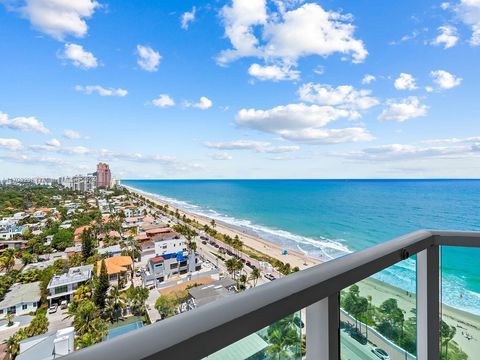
(330, 218)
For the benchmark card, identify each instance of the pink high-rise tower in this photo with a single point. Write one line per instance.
(103, 175)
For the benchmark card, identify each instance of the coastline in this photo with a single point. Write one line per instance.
(380, 291)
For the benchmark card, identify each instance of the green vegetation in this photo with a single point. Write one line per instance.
(38, 326)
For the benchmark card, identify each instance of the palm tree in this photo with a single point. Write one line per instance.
(134, 249)
(192, 245)
(115, 303)
(7, 261)
(447, 333)
(213, 223)
(254, 276)
(231, 266)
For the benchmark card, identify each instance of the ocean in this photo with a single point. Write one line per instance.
(331, 218)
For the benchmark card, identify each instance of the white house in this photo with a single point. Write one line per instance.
(51, 345)
(62, 287)
(21, 299)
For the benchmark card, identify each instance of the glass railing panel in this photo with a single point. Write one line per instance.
(282, 340)
(460, 310)
(378, 315)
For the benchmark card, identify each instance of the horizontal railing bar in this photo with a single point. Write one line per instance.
(456, 238)
(203, 331)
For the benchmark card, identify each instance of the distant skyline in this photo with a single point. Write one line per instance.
(240, 89)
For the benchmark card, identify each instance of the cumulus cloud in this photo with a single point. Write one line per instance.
(57, 18)
(187, 18)
(163, 101)
(79, 57)
(469, 12)
(445, 80)
(273, 72)
(368, 79)
(71, 134)
(287, 35)
(147, 58)
(447, 37)
(405, 82)
(100, 90)
(404, 109)
(72, 150)
(203, 104)
(257, 146)
(221, 156)
(302, 123)
(343, 96)
(10, 144)
(54, 143)
(23, 123)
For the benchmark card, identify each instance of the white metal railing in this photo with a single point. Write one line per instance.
(207, 329)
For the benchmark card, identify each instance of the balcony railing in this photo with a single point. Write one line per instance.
(205, 330)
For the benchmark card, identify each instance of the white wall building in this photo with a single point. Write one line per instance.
(21, 299)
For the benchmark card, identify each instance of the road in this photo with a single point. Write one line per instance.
(351, 349)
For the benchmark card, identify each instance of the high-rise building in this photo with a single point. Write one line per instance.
(103, 175)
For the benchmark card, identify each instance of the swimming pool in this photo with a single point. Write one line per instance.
(124, 329)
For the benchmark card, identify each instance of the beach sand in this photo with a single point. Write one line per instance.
(465, 322)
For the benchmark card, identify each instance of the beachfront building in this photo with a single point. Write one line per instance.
(103, 175)
(21, 299)
(48, 346)
(163, 267)
(117, 267)
(62, 287)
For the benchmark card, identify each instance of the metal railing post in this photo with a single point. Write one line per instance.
(428, 304)
(323, 329)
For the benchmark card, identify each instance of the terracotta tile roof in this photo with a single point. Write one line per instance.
(157, 259)
(115, 264)
(162, 236)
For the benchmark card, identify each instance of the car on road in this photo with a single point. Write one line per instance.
(204, 242)
(380, 353)
(269, 276)
(53, 309)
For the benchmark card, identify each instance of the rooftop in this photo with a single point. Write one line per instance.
(21, 293)
(74, 275)
(115, 264)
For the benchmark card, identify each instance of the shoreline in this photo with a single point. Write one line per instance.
(380, 291)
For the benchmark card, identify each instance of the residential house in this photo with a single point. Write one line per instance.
(117, 267)
(76, 249)
(62, 287)
(110, 251)
(48, 346)
(21, 299)
(162, 267)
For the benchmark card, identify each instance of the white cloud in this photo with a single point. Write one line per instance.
(343, 96)
(148, 59)
(73, 150)
(393, 152)
(79, 56)
(444, 80)
(100, 90)
(257, 146)
(469, 12)
(71, 134)
(368, 79)
(23, 123)
(187, 18)
(57, 18)
(163, 100)
(448, 37)
(287, 35)
(302, 123)
(405, 82)
(273, 72)
(221, 156)
(204, 103)
(10, 144)
(404, 109)
(54, 143)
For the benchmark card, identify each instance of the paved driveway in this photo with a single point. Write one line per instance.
(57, 321)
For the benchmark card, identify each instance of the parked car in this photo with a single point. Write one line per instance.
(204, 242)
(357, 335)
(63, 304)
(269, 276)
(53, 309)
(380, 353)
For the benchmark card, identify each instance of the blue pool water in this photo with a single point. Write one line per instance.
(330, 218)
(124, 329)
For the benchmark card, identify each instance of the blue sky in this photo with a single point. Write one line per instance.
(240, 89)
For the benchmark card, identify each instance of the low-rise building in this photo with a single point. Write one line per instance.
(62, 287)
(72, 250)
(48, 346)
(21, 299)
(9, 231)
(161, 268)
(117, 267)
(110, 251)
(12, 244)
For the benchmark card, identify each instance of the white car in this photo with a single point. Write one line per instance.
(380, 353)
(53, 309)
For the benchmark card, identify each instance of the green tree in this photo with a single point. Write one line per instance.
(115, 304)
(87, 244)
(102, 285)
(254, 276)
(62, 239)
(166, 306)
(447, 333)
(7, 260)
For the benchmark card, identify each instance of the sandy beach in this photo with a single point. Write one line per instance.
(465, 322)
